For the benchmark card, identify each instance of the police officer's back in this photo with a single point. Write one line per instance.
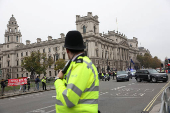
(78, 89)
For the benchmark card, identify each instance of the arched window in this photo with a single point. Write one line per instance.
(84, 29)
(94, 29)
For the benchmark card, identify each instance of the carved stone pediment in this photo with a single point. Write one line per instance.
(124, 43)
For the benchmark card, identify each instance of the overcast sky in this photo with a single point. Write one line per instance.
(147, 20)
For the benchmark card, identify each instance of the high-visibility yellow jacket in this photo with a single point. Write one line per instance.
(102, 74)
(43, 80)
(78, 92)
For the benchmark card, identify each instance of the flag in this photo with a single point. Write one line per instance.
(132, 61)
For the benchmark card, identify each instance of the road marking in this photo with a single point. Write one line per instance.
(42, 108)
(53, 96)
(12, 98)
(50, 111)
(127, 97)
(154, 99)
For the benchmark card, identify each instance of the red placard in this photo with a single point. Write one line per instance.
(15, 82)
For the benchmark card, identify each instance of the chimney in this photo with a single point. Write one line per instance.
(27, 42)
(38, 40)
(49, 38)
(62, 35)
(89, 14)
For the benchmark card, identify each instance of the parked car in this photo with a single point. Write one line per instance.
(150, 75)
(122, 75)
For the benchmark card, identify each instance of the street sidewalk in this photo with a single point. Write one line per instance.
(156, 108)
(17, 93)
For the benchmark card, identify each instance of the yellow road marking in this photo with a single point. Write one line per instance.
(156, 96)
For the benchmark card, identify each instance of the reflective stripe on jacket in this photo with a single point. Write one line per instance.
(79, 91)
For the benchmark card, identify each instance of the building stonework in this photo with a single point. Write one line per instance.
(143, 50)
(106, 50)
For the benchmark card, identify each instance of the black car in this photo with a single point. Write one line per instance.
(150, 75)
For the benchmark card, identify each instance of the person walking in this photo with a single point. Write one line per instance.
(2, 87)
(37, 80)
(28, 83)
(44, 83)
(77, 85)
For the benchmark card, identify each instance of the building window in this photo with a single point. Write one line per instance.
(116, 40)
(26, 53)
(0, 65)
(17, 54)
(17, 38)
(8, 38)
(56, 48)
(55, 73)
(8, 56)
(49, 73)
(96, 53)
(43, 50)
(7, 46)
(26, 74)
(102, 54)
(84, 29)
(38, 51)
(64, 56)
(22, 75)
(94, 29)
(44, 74)
(17, 63)
(17, 76)
(49, 50)
(95, 43)
(21, 54)
(8, 63)
(57, 56)
(12, 22)
(17, 69)
(49, 66)
(0, 58)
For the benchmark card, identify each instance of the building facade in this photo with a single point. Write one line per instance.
(108, 51)
(143, 50)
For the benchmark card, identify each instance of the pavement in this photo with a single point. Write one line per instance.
(156, 108)
(18, 93)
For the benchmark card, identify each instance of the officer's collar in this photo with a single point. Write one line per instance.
(81, 54)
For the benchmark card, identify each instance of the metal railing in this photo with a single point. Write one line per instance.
(9, 90)
(165, 105)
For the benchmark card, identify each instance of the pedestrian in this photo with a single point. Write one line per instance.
(37, 80)
(28, 83)
(2, 87)
(24, 87)
(44, 83)
(102, 76)
(113, 75)
(77, 85)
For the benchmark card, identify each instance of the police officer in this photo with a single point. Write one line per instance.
(77, 90)
(44, 83)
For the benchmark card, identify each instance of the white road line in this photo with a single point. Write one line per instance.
(12, 98)
(106, 92)
(127, 97)
(42, 108)
(19, 97)
(53, 96)
(50, 111)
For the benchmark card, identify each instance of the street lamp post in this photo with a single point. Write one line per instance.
(107, 61)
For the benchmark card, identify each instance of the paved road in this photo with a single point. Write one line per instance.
(115, 97)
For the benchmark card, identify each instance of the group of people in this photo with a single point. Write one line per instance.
(103, 75)
(37, 80)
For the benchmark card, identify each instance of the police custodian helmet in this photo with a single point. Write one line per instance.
(74, 41)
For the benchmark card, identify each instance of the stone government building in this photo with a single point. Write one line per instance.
(111, 50)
